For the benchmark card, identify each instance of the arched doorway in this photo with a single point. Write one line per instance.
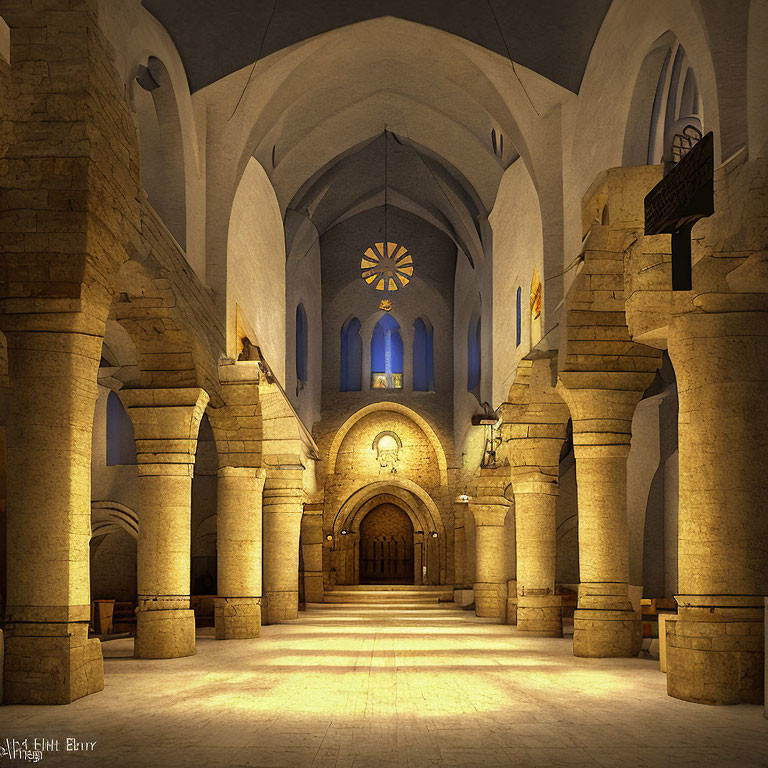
(386, 546)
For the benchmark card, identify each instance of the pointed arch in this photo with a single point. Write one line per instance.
(351, 356)
(386, 354)
(419, 420)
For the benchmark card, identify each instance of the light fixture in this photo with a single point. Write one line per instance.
(329, 537)
(463, 498)
(487, 418)
(433, 534)
(344, 531)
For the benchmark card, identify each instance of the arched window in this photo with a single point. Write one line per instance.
(301, 347)
(474, 335)
(121, 448)
(386, 355)
(676, 112)
(423, 356)
(519, 316)
(351, 356)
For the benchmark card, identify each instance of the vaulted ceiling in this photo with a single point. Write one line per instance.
(214, 39)
(413, 181)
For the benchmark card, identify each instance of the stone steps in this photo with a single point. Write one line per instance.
(400, 596)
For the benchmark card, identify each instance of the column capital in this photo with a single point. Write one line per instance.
(533, 479)
(166, 424)
(284, 485)
(489, 510)
(250, 473)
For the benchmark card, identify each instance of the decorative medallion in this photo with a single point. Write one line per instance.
(386, 305)
(387, 272)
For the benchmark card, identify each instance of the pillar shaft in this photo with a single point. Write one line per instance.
(166, 423)
(539, 610)
(604, 622)
(312, 552)
(48, 657)
(490, 571)
(715, 649)
(238, 544)
(283, 508)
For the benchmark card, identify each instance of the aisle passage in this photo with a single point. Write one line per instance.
(356, 685)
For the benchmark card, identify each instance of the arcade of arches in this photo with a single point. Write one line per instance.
(341, 385)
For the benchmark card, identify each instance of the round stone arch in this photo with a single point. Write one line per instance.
(432, 552)
(420, 422)
(356, 517)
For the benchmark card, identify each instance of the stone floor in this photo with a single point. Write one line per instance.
(355, 686)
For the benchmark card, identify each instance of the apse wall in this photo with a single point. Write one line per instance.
(429, 295)
(256, 267)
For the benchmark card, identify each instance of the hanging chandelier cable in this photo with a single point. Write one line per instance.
(256, 61)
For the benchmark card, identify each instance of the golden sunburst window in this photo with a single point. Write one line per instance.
(387, 272)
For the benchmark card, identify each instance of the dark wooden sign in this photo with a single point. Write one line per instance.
(678, 201)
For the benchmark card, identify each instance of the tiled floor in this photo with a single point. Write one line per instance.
(348, 687)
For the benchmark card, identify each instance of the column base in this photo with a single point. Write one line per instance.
(491, 600)
(50, 663)
(313, 587)
(237, 618)
(511, 617)
(280, 606)
(540, 615)
(605, 633)
(715, 651)
(164, 634)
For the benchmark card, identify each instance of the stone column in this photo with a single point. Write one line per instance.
(283, 508)
(604, 623)
(48, 656)
(715, 649)
(238, 545)
(490, 568)
(459, 542)
(237, 429)
(312, 552)
(539, 610)
(165, 424)
(535, 419)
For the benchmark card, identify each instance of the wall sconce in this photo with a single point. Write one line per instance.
(329, 537)
(487, 418)
(344, 531)
(433, 534)
(463, 498)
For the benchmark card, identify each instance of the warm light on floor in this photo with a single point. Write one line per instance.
(354, 687)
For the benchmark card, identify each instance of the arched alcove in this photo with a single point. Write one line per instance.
(430, 546)
(386, 546)
(161, 146)
(665, 117)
